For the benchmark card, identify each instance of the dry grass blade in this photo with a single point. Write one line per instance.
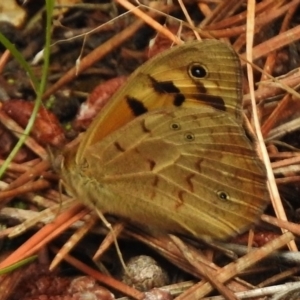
(202, 269)
(48, 233)
(73, 240)
(17, 131)
(201, 289)
(275, 197)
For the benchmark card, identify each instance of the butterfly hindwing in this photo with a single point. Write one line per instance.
(170, 166)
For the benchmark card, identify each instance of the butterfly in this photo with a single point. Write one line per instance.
(169, 151)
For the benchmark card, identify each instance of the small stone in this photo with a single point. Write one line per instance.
(144, 273)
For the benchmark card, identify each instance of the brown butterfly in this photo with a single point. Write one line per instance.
(169, 150)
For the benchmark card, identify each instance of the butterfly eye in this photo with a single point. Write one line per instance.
(175, 126)
(197, 71)
(223, 195)
(189, 137)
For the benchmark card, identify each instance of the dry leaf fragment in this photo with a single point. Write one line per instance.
(97, 99)
(46, 129)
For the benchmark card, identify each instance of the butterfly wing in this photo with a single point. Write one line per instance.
(197, 73)
(190, 171)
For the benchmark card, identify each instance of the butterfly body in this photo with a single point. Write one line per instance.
(185, 164)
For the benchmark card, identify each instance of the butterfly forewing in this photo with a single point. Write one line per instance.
(198, 73)
(184, 170)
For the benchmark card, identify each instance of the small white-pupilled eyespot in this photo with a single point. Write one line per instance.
(189, 137)
(175, 126)
(197, 71)
(223, 195)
